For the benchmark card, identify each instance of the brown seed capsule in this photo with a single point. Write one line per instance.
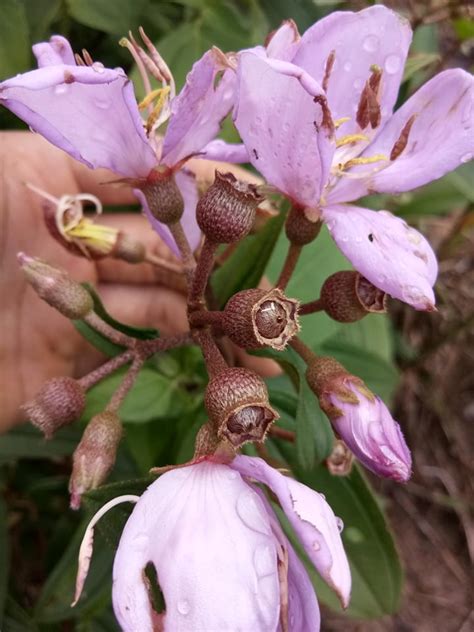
(299, 229)
(164, 198)
(347, 296)
(59, 402)
(56, 287)
(95, 455)
(237, 402)
(226, 212)
(258, 318)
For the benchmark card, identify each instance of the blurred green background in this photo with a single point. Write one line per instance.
(39, 537)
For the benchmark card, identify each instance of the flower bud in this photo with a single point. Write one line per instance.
(361, 419)
(164, 198)
(237, 402)
(347, 296)
(59, 402)
(95, 455)
(258, 318)
(299, 229)
(226, 212)
(56, 287)
(128, 249)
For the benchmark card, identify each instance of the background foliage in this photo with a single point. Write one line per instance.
(163, 411)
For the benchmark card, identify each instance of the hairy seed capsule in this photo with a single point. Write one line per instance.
(164, 198)
(347, 296)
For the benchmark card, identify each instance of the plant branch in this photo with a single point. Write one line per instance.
(126, 384)
(302, 350)
(189, 262)
(311, 307)
(289, 265)
(202, 272)
(214, 359)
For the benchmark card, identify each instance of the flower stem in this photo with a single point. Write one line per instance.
(289, 265)
(117, 337)
(164, 264)
(302, 350)
(311, 307)
(201, 318)
(126, 384)
(189, 262)
(281, 433)
(201, 275)
(109, 367)
(214, 359)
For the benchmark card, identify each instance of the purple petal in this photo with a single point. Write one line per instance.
(374, 36)
(208, 535)
(312, 519)
(284, 42)
(54, 53)
(226, 152)
(280, 125)
(187, 185)
(383, 248)
(373, 435)
(440, 139)
(89, 112)
(197, 111)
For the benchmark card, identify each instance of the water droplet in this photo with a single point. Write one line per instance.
(413, 236)
(232, 475)
(98, 67)
(103, 104)
(392, 64)
(340, 524)
(345, 239)
(251, 514)
(264, 561)
(371, 43)
(258, 119)
(316, 545)
(347, 66)
(466, 157)
(354, 534)
(357, 84)
(183, 607)
(411, 294)
(61, 89)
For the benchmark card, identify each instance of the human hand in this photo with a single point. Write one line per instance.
(37, 342)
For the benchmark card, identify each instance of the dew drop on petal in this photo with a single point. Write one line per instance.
(251, 514)
(232, 474)
(371, 43)
(264, 561)
(392, 64)
(347, 66)
(98, 67)
(183, 607)
(466, 157)
(339, 524)
(61, 89)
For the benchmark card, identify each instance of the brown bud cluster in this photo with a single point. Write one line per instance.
(347, 296)
(164, 198)
(95, 455)
(226, 212)
(236, 400)
(59, 402)
(257, 318)
(56, 287)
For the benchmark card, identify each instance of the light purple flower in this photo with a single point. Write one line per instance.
(357, 60)
(221, 558)
(91, 113)
(369, 430)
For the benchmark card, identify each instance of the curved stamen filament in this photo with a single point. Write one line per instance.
(348, 139)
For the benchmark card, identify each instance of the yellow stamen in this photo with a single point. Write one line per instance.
(150, 97)
(99, 237)
(350, 138)
(363, 161)
(338, 122)
(163, 95)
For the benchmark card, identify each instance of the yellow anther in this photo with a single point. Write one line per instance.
(150, 97)
(97, 236)
(338, 122)
(162, 94)
(363, 161)
(350, 138)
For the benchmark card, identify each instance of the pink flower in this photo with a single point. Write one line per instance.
(221, 559)
(91, 113)
(324, 159)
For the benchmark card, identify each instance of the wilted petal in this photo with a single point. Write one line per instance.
(284, 42)
(89, 112)
(385, 250)
(208, 535)
(197, 111)
(187, 185)
(312, 519)
(55, 52)
(281, 127)
(372, 434)
(226, 152)
(374, 36)
(440, 139)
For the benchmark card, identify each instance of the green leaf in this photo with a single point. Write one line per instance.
(116, 17)
(245, 268)
(4, 559)
(375, 567)
(417, 62)
(464, 28)
(54, 603)
(96, 339)
(26, 442)
(17, 619)
(14, 39)
(40, 14)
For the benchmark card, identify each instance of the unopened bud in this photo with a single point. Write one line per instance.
(339, 462)
(361, 419)
(299, 229)
(237, 402)
(128, 249)
(347, 296)
(164, 198)
(56, 287)
(59, 402)
(95, 455)
(258, 318)
(226, 212)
